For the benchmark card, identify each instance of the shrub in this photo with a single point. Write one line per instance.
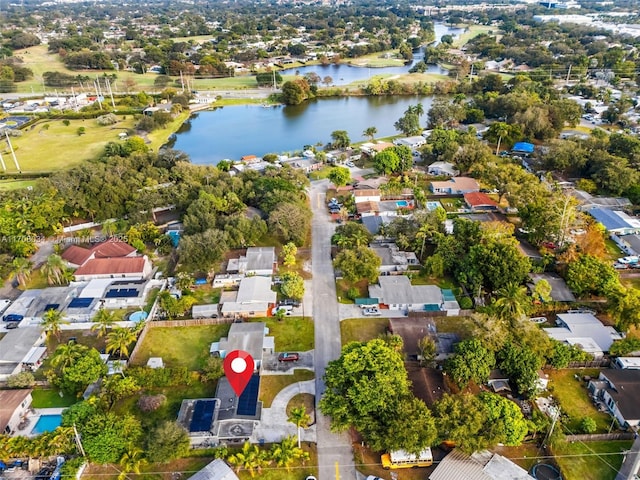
(588, 425)
(466, 303)
(353, 293)
(21, 380)
(66, 123)
(108, 119)
(149, 403)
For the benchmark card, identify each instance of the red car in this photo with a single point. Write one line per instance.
(549, 245)
(288, 357)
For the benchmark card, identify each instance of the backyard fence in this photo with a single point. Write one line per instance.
(600, 363)
(189, 323)
(599, 437)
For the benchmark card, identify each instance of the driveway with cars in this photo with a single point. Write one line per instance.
(271, 365)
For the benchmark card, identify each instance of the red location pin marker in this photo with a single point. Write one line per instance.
(238, 367)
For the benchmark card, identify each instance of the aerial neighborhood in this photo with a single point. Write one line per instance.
(320, 240)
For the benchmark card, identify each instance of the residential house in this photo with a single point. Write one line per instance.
(14, 405)
(442, 169)
(249, 337)
(455, 186)
(366, 195)
(260, 261)
(393, 259)
(76, 256)
(619, 390)
(616, 221)
(20, 349)
(588, 201)
(412, 142)
(480, 202)
(216, 470)
(372, 149)
(397, 293)
(227, 280)
(482, 465)
(133, 268)
(629, 243)
(254, 298)
(585, 331)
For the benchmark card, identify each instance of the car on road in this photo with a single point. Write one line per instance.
(288, 357)
(12, 325)
(629, 260)
(371, 312)
(13, 317)
(350, 164)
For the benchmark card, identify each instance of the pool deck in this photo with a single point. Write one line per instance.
(35, 416)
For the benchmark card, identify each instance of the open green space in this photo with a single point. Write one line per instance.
(11, 184)
(180, 346)
(389, 58)
(206, 294)
(50, 145)
(292, 333)
(471, 31)
(343, 286)
(159, 137)
(362, 329)
(574, 399)
(590, 460)
(270, 385)
(50, 398)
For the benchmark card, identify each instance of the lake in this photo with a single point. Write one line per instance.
(344, 74)
(232, 132)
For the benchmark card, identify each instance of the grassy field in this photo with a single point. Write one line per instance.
(362, 329)
(293, 333)
(51, 145)
(583, 463)
(50, 398)
(574, 399)
(471, 31)
(390, 58)
(12, 184)
(180, 346)
(270, 385)
(159, 137)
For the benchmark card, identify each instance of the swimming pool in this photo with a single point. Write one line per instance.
(47, 423)
(138, 316)
(402, 204)
(433, 205)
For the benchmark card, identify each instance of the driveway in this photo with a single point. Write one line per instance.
(271, 365)
(354, 311)
(333, 450)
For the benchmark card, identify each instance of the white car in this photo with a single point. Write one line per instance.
(284, 308)
(371, 312)
(538, 319)
(350, 164)
(630, 259)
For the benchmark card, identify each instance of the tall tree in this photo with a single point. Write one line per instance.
(340, 139)
(339, 176)
(21, 269)
(285, 453)
(250, 458)
(512, 302)
(52, 322)
(104, 320)
(471, 362)
(54, 269)
(131, 462)
(370, 132)
(119, 340)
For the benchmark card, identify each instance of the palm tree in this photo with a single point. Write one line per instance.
(300, 418)
(66, 354)
(62, 440)
(131, 461)
(54, 269)
(500, 129)
(285, 453)
(22, 268)
(52, 322)
(512, 303)
(103, 321)
(251, 458)
(119, 340)
(370, 132)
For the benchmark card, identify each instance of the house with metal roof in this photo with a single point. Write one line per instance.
(216, 470)
(616, 221)
(396, 293)
(253, 298)
(585, 331)
(484, 465)
(257, 261)
(456, 186)
(19, 349)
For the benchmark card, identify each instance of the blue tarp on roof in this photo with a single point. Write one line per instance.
(523, 147)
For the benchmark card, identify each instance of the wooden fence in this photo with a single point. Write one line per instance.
(598, 437)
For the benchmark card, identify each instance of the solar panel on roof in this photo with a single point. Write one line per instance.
(51, 306)
(248, 401)
(80, 302)
(202, 416)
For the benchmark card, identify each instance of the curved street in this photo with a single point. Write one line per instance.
(334, 450)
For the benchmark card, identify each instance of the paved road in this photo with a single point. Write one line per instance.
(332, 449)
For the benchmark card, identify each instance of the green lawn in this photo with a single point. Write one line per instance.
(292, 333)
(270, 385)
(50, 398)
(587, 466)
(362, 329)
(472, 31)
(49, 145)
(16, 184)
(206, 294)
(613, 251)
(161, 136)
(460, 325)
(574, 398)
(180, 346)
(389, 58)
(305, 400)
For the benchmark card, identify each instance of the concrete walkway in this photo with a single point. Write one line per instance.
(275, 425)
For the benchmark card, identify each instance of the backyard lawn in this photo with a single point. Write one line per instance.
(574, 398)
(50, 398)
(459, 325)
(362, 329)
(270, 385)
(368, 463)
(581, 463)
(180, 346)
(292, 333)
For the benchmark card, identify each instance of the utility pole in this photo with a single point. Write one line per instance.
(98, 94)
(4, 167)
(113, 103)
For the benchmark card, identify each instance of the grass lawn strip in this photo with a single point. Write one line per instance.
(270, 385)
(574, 398)
(291, 334)
(362, 329)
(586, 465)
(50, 398)
(180, 346)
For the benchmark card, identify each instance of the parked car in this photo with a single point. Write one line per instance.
(12, 325)
(288, 357)
(282, 308)
(350, 164)
(629, 260)
(290, 302)
(372, 477)
(334, 211)
(13, 317)
(621, 266)
(549, 245)
(371, 312)
(538, 319)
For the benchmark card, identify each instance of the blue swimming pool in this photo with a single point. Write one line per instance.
(402, 204)
(431, 206)
(47, 423)
(138, 316)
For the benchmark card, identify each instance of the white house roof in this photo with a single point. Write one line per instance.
(479, 466)
(256, 290)
(216, 470)
(447, 167)
(17, 344)
(397, 289)
(96, 288)
(260, 258)
(584, 329)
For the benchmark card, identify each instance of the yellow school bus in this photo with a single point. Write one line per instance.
(402, 459)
